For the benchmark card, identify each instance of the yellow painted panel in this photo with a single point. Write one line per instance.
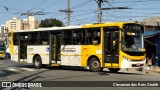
(132, 57)
(55, 65)
(107, 65)
(11, 43)
(89, 50)
(113, 65)
(1, 54)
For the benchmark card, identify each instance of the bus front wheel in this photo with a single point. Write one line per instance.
(94, 65)
(114, 70)
(37, 62)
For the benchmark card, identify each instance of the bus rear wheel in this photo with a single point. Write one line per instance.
(37, 62)
(114, 70)
(94, 65)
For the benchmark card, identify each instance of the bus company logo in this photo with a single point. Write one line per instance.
(47, 49)
(6, 84)
(69, 49)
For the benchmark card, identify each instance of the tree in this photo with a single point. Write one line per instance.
(51, 23)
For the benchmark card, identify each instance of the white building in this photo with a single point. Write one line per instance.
(15, 24)
(30, 23)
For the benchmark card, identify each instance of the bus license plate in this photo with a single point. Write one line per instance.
(138, 64)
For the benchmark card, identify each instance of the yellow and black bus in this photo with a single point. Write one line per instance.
(108, 45)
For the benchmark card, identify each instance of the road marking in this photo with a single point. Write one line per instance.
(43, 69)
(12, 69)
(28, 69)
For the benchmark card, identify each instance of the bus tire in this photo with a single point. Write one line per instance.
(94, 65)
(114, 70)
(37, 62)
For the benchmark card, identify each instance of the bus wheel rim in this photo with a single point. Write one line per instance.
(95, 64)
(37, 62)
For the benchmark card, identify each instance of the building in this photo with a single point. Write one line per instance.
(17, 24)
(14, 23)
(152, 38)
(30, 23)
(4, 35)
(152, 23)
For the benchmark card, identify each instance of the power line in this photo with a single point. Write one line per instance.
(68, 12)
(141, 13)
(57, 1)
(85, 10)
(87, 19)
(134, 3)
(9, 8)
(38, 5)
(81, 4)
(147, 9)
(84, 14)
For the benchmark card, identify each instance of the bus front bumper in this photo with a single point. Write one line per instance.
(132, 63)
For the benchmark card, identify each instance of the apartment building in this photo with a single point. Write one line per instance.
(17, 24)
(14, 23)
(30, 23)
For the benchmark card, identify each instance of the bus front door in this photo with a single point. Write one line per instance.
(55, 48)
(111, 47)
(23, 47)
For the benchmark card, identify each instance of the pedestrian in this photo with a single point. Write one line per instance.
(153, 58)
(147, 60)
(149, 64)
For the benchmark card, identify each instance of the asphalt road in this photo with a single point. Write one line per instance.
(13, 71)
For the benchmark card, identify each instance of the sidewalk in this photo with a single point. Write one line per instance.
(155, 70)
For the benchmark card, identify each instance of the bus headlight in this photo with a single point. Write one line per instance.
(126, 58)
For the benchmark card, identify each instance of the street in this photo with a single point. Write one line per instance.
(14, 71)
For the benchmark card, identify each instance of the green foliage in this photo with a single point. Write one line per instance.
(51, 23)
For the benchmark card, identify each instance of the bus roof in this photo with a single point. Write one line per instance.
(48, 29)
(76, 27)
(105, 24)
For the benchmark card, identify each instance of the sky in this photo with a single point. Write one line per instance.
(84, 11)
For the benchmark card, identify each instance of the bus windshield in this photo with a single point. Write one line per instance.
(132, 38)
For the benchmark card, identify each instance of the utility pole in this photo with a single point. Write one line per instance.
(68, 12)
(99, 2)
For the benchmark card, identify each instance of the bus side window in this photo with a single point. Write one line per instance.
(78, 37)
(75, 38)
(96, 37)
(93, 36)
(43, 38)
(33, 38)
(88, 37)
(67, 37)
